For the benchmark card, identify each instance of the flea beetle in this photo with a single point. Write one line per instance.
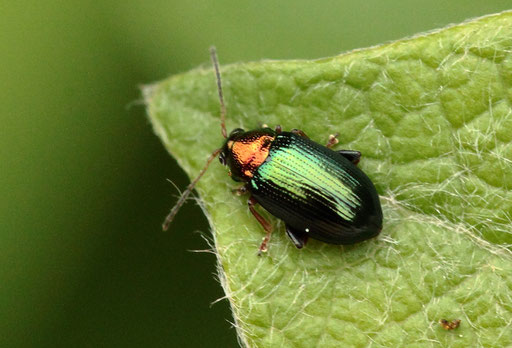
(316, 191)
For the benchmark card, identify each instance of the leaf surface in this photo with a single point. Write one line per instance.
(432, 117)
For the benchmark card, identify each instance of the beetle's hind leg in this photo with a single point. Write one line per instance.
(351, 155)
(266, 225)
(298, 238)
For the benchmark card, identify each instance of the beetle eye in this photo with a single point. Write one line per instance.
(222, 158)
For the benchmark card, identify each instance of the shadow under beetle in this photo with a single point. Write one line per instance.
(317, 192)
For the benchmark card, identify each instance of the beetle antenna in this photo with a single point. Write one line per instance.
(188, 191)
(215, 62)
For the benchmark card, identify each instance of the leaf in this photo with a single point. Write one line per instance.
(432, 116)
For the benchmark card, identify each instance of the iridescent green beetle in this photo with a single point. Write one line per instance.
(317, 192)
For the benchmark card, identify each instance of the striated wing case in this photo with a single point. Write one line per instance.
(317, 191)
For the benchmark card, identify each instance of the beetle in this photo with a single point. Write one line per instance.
(317, 192)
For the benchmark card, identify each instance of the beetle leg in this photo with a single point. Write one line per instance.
(266, 225)
(242, 190)
(351, 155)
(299, 132)
(278, 129)
(299, 238)
(333, 140)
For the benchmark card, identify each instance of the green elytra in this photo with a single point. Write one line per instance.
(312, 170)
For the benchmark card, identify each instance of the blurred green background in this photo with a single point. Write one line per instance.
(83, 187)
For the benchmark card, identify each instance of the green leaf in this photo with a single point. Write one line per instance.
(432, 116)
